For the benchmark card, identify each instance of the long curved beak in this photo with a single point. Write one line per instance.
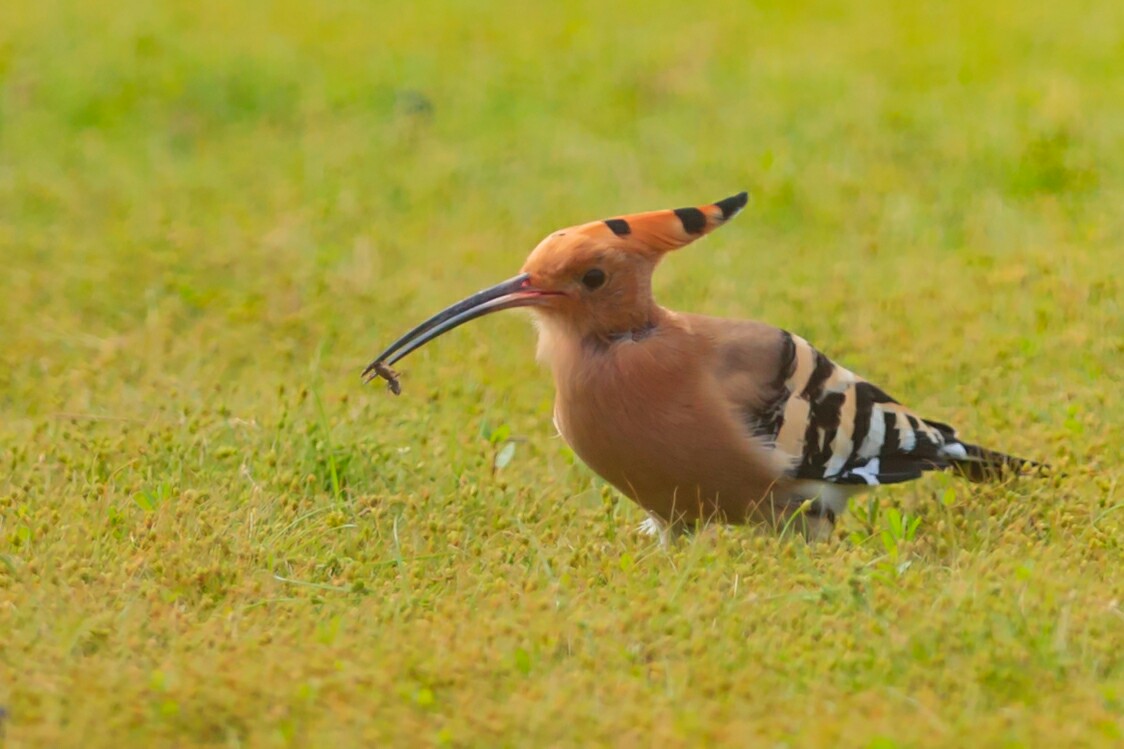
(514, 292)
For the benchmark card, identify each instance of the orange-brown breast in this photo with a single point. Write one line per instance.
(651, 417)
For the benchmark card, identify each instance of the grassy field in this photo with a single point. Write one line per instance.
(213, 214)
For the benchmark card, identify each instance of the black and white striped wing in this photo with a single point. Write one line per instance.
(834, 426)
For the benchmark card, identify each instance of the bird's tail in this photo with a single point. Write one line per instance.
(981, 464)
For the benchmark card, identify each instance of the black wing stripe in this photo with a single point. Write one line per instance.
(891, 441)
(820, 374)
(877, 394)
(947, 432)
(823, 422)
(864, 409)
(914, 424)
(767, 420)
(788, 361)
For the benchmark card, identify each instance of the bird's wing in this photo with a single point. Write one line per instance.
(831, 425)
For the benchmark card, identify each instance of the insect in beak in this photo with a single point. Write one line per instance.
(514, 292)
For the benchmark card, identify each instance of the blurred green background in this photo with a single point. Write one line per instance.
(213, 214)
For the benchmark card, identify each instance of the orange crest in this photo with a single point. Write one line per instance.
(663, 231)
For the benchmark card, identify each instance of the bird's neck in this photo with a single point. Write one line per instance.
(562, 344)
(637, 328)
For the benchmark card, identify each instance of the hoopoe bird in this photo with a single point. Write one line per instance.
(701, 419)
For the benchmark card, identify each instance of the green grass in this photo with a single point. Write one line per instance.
(211, 534)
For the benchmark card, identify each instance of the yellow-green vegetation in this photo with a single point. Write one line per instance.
(212, 214)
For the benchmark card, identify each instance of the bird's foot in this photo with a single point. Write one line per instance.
(653, 527)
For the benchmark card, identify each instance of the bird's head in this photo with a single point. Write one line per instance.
(591, 280)
(596, 277)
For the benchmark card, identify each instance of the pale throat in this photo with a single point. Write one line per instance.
(561, 341)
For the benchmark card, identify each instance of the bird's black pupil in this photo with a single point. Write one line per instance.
(593, 278)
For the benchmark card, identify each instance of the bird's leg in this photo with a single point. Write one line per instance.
(819, 521)
(652, 526)
(813, 518)
(667, 532)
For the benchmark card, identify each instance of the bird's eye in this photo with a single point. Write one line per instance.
(594, 278)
